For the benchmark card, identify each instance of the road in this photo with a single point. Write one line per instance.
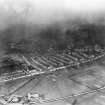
(16, 75)
(60, 89)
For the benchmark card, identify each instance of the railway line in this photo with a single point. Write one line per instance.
(50, 64)
(74, 96)
(56, 60)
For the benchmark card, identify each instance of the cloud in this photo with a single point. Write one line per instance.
(45, 11)
(18, 37)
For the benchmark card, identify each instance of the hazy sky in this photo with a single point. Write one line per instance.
(44, 11)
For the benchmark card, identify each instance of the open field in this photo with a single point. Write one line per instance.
(67, 78)
(60, 88)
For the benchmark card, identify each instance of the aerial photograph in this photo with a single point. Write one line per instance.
(52, 52)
